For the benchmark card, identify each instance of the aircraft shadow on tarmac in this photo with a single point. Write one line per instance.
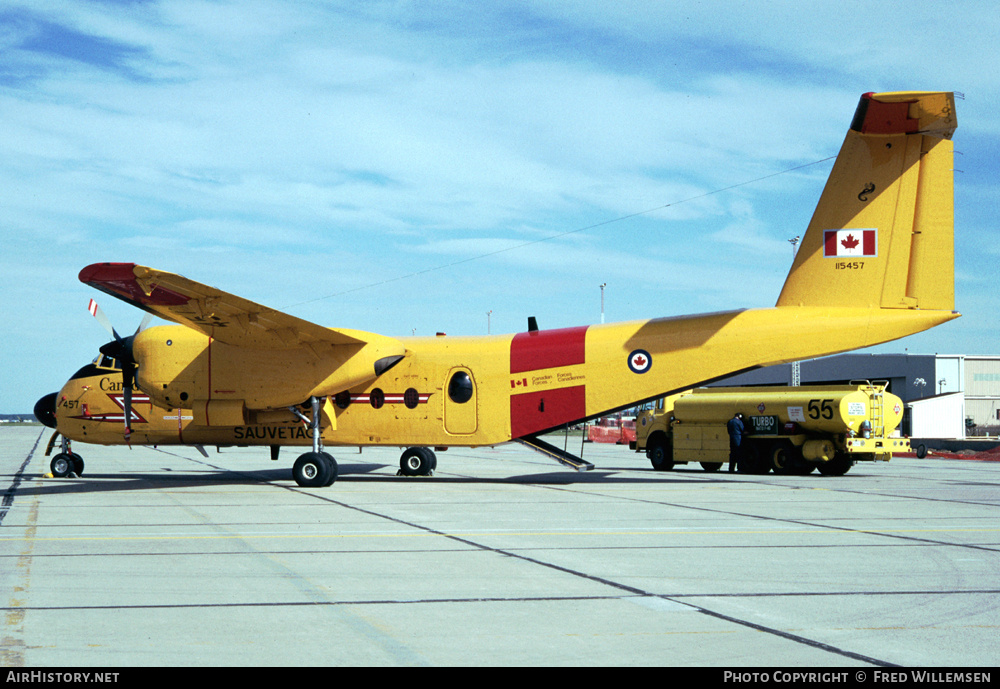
(353, 473)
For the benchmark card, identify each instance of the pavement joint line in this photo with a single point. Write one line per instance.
(481, 533)
(617, 585)
(582, 488)
(669, 597)
(8, 496)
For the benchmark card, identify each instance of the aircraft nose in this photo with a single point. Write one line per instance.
(45, 409)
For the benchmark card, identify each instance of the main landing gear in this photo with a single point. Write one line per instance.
(417, 461)
(317, 468)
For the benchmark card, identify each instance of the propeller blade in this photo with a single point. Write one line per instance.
(128, 380)
(121, 350)
(97, 313)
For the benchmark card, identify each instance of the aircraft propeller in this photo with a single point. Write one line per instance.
(121, 350)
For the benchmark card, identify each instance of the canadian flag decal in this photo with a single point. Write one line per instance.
(850, 242)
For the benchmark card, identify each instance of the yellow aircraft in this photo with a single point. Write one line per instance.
(876, 264)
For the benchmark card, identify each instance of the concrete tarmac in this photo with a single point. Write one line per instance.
(161, 557)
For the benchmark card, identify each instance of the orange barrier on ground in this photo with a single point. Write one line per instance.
(611, 434)
(992, 455)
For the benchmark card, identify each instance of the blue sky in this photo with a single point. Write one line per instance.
(407, 167)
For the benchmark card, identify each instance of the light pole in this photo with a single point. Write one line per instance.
(603, 285)
(488, 314)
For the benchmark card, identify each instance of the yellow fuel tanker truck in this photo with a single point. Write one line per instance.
(791, 430)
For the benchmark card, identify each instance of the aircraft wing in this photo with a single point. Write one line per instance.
(220, 315)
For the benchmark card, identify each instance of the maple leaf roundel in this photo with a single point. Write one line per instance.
(639, 361)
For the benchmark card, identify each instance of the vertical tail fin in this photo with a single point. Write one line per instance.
(882, 235)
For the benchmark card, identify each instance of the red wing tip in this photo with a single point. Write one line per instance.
(119, 279)
(105, 272)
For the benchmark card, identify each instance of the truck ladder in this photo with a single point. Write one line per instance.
(553, 452)
(878, 413)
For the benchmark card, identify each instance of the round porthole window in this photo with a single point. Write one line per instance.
(460, 387)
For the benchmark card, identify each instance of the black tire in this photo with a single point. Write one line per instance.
(61, 465)
(783, 457)
(77, 463)
(711, 466)
(921, 451)
(331, 467)
(659, 452)
(417, 461)
(838, 466)
(431, 457)
(312, 470)
(753, 462)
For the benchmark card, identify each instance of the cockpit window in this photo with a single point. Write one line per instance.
(104, 361)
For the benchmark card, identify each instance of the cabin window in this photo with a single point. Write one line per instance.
(460, 387)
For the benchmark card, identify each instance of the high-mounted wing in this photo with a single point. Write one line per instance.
(220, 315)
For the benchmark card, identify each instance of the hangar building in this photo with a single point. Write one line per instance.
(946, 395)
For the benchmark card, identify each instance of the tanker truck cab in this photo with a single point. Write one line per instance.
(790, 430)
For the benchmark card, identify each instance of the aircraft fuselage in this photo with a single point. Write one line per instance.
(452, 391)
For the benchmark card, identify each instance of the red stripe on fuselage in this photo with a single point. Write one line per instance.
(533, 351)
(534, 411)
(537, 411)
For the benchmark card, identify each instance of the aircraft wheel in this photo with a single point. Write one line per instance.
(77, 463)
(659, 453)
(313, 469)
(711, 466)
(431, 456)
(61, 465)
(417, 461)
(332, 467)
(838, 466)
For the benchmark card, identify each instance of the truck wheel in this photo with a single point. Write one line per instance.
(838, 466)
(921, 451)
(711, 466)
(783, 458)
(659, 453)
(757, 462)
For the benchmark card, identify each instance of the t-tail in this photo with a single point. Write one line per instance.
(882, 235)
(876, 264)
